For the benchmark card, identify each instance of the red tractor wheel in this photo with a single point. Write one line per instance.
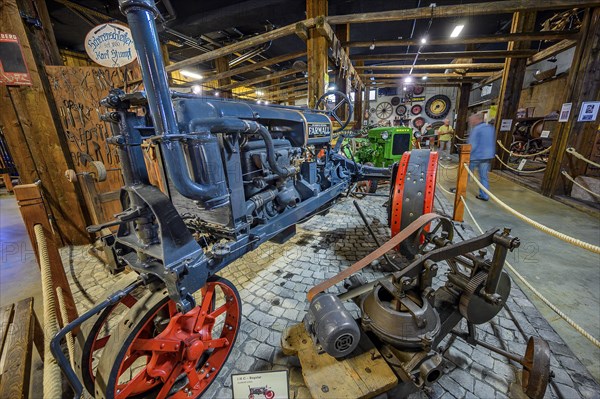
(269, 394)
(411, 193)
(157, 352)
(93, 336)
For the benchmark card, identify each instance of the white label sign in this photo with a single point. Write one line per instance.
(110, 45)
(545, 134)
(588, 111)
(565, 111)
(268, 384)
(505, 125)
(522, 164)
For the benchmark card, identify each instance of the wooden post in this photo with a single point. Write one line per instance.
(462, 176)
(30, 122)
(358, 102)
(342, 32)
(462, 112)
(316, 50)
(29, 198)
(583, 85)
(512, 81)
(222, 65)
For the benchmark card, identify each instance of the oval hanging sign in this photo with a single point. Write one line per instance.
(110, 45)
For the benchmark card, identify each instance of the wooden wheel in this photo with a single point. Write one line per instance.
(157, 352)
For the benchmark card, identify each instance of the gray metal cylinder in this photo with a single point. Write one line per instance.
(331, 326)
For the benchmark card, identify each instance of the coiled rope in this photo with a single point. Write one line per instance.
(52, 375)
(539, 226)
(556, 310)
(573, 152)
(65, 320)
(545, 150)
(565, 174)
(517, 170)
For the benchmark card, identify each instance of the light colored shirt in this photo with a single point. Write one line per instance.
(445, 133)
(483, 142)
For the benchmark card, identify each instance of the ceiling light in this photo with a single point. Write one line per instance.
(408, 79)
(424, 40)
(266, 102)
(372, 46)
(216, 93)
(457, 30)
(424, 78)
(404, 88)
(196, 89)
(331, 87)
(259, 93)
(191, 74)
(258, 101)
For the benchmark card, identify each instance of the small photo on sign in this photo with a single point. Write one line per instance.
(261, 385)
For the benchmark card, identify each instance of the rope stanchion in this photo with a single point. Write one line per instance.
(545, 150)
(537, 225)
(573, 152)
(568, 176)
(554, 308)
(517, 170)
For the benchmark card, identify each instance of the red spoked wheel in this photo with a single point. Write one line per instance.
(269, 394)
(95, 333)
(157, 352)
(411, 194)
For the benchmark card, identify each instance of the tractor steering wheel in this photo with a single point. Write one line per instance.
(344, 100)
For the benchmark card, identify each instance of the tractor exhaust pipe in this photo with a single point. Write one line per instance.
(140, 17)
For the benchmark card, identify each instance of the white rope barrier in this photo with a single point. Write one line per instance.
(539, 226)
(565, 174)
(573, 152)
(460, 138)
(556, 310)
(545, 150)
(443, 189)
(517, 170)
(447, 167)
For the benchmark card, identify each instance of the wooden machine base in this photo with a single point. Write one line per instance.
(365, 374)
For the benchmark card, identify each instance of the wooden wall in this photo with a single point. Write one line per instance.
(546, 97)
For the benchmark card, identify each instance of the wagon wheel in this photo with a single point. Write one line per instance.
(536, 368)
(93, 335)
(155, 351)
(341, 100)
(384, 110)
(438, 106)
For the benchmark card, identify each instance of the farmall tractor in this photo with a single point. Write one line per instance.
(238, 174)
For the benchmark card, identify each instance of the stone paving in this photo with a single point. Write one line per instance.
(273, 281)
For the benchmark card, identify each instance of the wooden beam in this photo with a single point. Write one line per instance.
(583, 85)
(462, 110)
(483, 65)
(37, 127)
(242, 45)
(222, 66)
(462, 10)
(429, 75)
(316, 50)
(264, 78)
(302, 31)
(537, 57)
(513, 76)
(508, 37)
(491, 54)
(253, 67)
(275, 85)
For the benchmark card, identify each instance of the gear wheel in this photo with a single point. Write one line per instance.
(474, 307)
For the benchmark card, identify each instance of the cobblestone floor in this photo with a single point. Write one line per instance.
(274, 279)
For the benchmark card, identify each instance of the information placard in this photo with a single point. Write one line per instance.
(13, 69)
(505, 125)
(110, 45)
(266, 384)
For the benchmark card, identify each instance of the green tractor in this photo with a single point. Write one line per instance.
(384, 145)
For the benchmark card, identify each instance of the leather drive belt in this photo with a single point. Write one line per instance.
(378, 253)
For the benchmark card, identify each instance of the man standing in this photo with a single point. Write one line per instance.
(445, 133)
(483, 148)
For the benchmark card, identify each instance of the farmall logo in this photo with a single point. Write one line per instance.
(319, 129)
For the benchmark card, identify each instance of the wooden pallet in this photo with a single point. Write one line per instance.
(363, 375)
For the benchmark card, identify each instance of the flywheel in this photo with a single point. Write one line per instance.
(156, 351)
(411, 193)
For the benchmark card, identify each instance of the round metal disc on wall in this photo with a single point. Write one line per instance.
(419, 90)
(416, 109)
(438, 106)
(384, 110)
(395, 100)
(418, 122)
(401, 110)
